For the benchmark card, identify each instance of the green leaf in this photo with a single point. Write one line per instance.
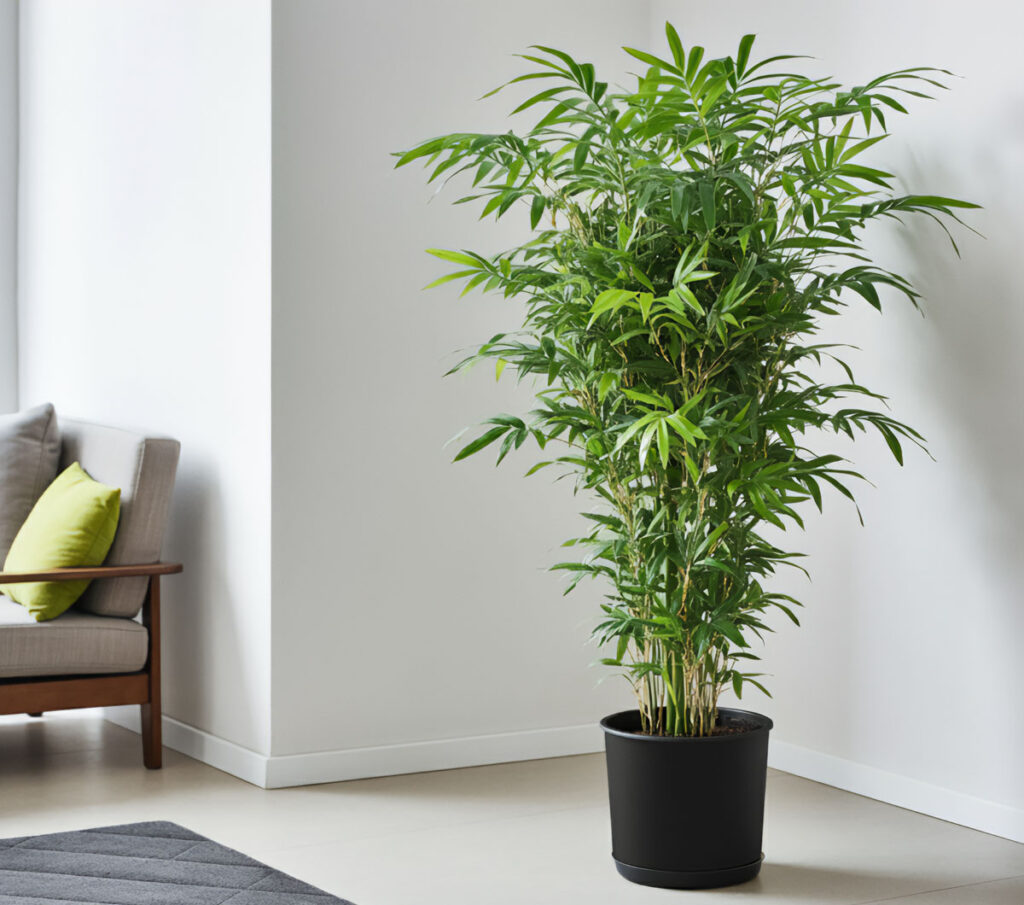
(693, 470)
(634, 429)
(611, 300)
(538, 98)
(676, 195)
(651, 60)
(892, 441)
(743, 54)
(676, 46)
(537, 210)
(448, 277)
(664, 448)
(646, 439)
(480, 442)
(579, 157)
(456, 257)
(707, 204)
(608, 381)
(646, 300)
(725, 627)
(690, 234)
(648, 398)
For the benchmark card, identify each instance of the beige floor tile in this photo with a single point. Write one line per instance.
(533, 832)
(50, 784)
(821, 843)
(999, 892)
(23, 739)
(563, 856)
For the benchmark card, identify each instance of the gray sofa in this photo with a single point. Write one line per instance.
(100, 653)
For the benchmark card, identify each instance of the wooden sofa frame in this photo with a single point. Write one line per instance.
(36, 694)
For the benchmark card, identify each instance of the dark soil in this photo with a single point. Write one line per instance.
(733, 727)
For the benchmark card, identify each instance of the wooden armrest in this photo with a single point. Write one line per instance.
(91, 572)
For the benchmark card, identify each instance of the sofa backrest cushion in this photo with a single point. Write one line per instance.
(143, 466)
(29, 453)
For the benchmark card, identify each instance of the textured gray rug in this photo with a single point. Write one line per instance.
(154, 863)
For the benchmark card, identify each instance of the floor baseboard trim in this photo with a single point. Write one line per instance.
(901, 791)
(440, 754)
(284, 771)
(199, 745)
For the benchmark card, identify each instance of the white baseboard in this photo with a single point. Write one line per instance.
(217, 752)
(441, 754)
(895, 789)
(445, 754)
(359, 763)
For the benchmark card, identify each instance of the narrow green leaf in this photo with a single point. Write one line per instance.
(664, 447)
(707, 204)
(537, 210)
(480, 442)
(743, 54)
(456, 257)
(675, 45)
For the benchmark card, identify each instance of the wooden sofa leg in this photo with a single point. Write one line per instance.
(36, 715)
(152, 736)
(152, 744)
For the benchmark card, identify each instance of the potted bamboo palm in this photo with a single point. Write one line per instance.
(690, 236)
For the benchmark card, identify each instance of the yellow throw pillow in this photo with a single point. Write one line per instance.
(72, 524)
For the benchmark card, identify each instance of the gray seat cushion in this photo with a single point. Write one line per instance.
(73, 644)
(143, 466)
(29, 451)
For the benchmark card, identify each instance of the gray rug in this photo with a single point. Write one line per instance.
(154, 863)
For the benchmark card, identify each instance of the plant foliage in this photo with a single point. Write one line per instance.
(689, 238)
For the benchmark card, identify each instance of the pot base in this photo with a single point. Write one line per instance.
(689, 879)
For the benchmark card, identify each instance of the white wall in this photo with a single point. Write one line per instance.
(904, 680)
(145, 296)
(8, 205)
(411, 601)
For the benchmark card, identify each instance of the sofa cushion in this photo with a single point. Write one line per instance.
(143, 466)
(73, 644)
(29, 451)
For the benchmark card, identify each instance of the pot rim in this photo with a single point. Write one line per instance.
(764, 725)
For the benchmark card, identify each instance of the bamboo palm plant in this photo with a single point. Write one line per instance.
(689, 238)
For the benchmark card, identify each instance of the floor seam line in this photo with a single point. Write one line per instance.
(928, 892)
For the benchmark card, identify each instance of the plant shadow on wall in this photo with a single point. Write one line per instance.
(973, 362)
(971, 366)
(690, 237)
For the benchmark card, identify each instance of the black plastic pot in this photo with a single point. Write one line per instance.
(687, 813)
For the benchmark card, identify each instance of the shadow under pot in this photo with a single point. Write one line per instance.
(687, 813)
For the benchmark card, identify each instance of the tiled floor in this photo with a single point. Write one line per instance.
(530, 833)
